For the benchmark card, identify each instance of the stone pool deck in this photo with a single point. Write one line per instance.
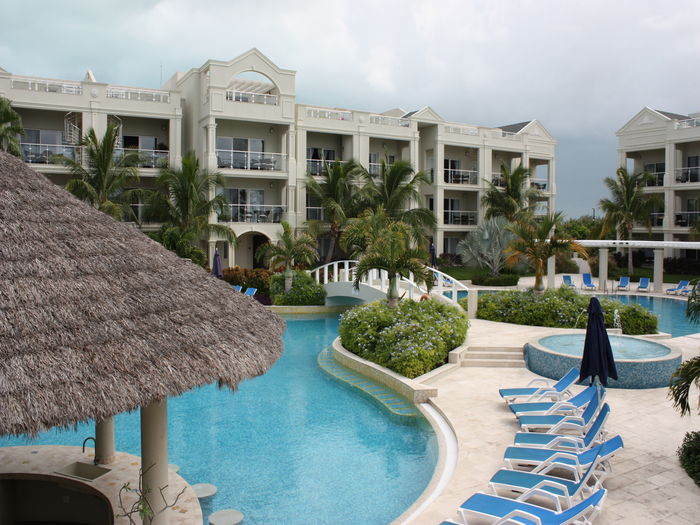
(647, 485)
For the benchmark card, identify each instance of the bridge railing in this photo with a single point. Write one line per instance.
(445, 283)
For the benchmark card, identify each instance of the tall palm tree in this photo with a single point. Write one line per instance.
(689, 372)
(10, 128)
(512, 198)
(184, 206)
(627, 205)
(397, 189)
(362, 231)
(536, 241)
(391, 250)
(337, 192)
(288, 251)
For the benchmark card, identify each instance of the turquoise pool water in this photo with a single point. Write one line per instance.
(622, 347)
(293, 446)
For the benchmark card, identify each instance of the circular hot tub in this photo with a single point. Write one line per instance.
(640, 363)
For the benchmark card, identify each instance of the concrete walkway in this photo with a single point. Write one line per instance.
(647, 485)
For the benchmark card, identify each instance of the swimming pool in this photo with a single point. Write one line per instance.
(293, 446)
(622, 347)
(670, 312)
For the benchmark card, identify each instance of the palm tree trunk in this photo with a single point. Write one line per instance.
(539, 281)
(392, 295)
(331, 247)
(288, 276)
(630, 265)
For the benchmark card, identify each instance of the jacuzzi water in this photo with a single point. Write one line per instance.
(293, 446)
(623, 347)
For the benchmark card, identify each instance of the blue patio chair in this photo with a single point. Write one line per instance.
(594, 435)
(556, 423)
(624, 283)
(643, 284)
(569, 406)
(587, 282)
(568, 282)
(506, 510)
(557, 391)
(238, 287)
(686, 290)
(250, 292)
(679, 287)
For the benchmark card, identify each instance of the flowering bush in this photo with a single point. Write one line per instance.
(411, 340)
(305, 291)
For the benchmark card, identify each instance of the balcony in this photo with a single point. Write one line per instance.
(315, 166)
(48, 153)
(143, 95)
(657, 219)
(453, 176)
(383, 120)
(685, 175)
(686, 219)
(497, 179)
(45, 85)
(540, 185)
(258, 213)
(655, 178)
(331, 114)
(251, 160)
(375, 168)
(314, 213)
(252, 98)
(147, 158)
(688, 123)
(467, 218)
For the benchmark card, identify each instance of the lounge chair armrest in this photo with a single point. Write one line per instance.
(574, 441)
(567, 421)
(539, 380)
(541, 493)
(545, 468)
(540, 394)
(563, 408)
(518, 513)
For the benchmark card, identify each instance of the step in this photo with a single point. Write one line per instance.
(494, 355)
(513, 349)
(494, 363)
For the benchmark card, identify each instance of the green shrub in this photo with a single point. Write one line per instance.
(561, 308)
(689, 455)
(503, 279)
(410, 340)
(305, 291)
(249, 278)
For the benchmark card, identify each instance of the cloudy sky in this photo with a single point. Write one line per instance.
(583, 68)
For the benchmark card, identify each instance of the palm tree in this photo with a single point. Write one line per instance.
(391, 250)
(486, 245)
(362, 231)
(536, 241)
(10, 128)
(512, 198)
(104, 181)
(628, 205)
(184, 206)
(288, 251)
(689, 372)
(397, 188)
(337, 192)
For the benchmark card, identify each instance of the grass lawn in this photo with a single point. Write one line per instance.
(465, 273)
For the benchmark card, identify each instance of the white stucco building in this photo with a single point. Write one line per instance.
(242, 119)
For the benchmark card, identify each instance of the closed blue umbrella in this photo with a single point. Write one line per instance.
(216, 265)
(597, 360)
(433, 256)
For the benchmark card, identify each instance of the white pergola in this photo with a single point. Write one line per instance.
(604, 247)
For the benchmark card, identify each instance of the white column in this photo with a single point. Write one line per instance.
(211, 144)
(669, 179)
(552, 186)
(472, 303)
(658, 270)
(551, 271)
(212, 248)
(154, 458)
(362, 150)
(104, 440)
(231, 255)
(602, 269)
(175, 141)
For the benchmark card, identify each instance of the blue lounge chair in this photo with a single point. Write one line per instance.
(624, 283)
(569, 406)
(250, 292)
(643, 284)
(505, 510)
(557, 391)
(568, 282)
(686, 290)
(679, 287)
(237, 287)
(594, 435)
(556, 423)
(587, 282)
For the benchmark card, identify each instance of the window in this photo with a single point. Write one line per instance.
(656, 169)
(244, 202)
(449, 245)
(43, 136)
(693, 168)
(452, 168)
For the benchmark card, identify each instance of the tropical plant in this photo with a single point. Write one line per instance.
(627, 205)
(512, 198)
(184, 206)
(288, 251)
(538, 240)
(337, 192)
(10, 128)
(689, 372)
(104, 181)
(390, 250)
(486, 245)
(361, 231)
(397, 189)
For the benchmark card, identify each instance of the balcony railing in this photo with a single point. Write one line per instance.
(46, 85)
(468, 218)
(684, 175)
(461, 130)
(461, 176)
(375, 168)
(383, 120)
(48, 153)
(253, 98)
(147, 158)
(657, 219)
(144, 95)
(332, 114)
(315, 166)
(252, 213)
(655, 178)
(540, 185)
(686, 218)
(251, 160)
(688, 123)
(497, 179)
(314, 213)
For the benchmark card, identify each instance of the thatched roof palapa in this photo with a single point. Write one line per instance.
(98, 319)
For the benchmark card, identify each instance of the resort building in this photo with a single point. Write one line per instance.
(242, 120)
(667, 147)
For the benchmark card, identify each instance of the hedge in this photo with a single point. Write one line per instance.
(503, 279)
(305, 291)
